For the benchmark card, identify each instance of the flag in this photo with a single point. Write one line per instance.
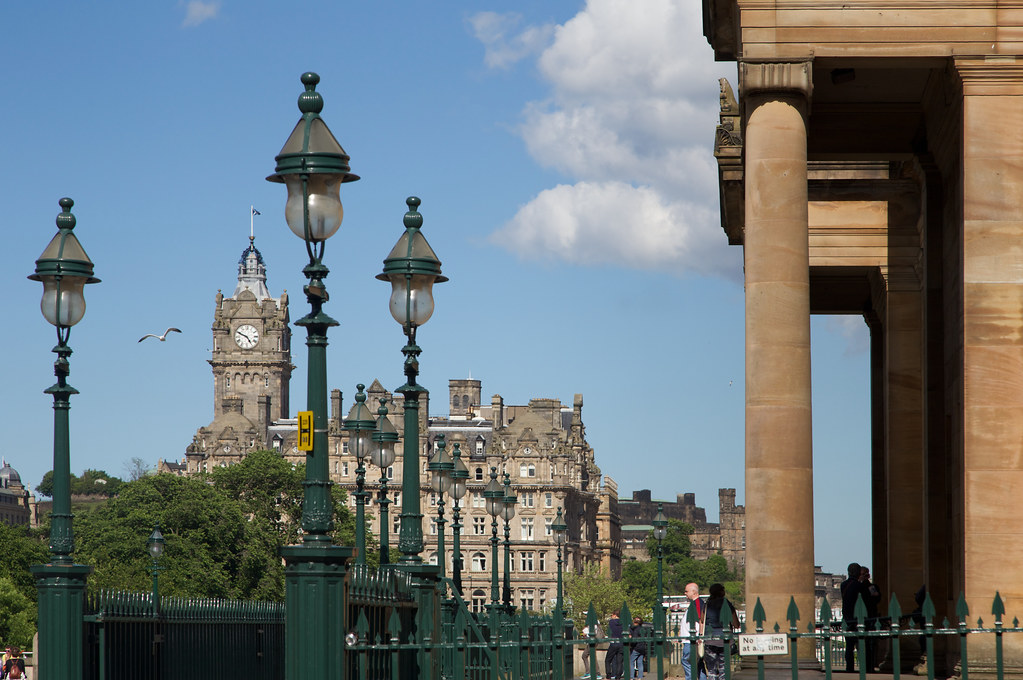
(256, 212)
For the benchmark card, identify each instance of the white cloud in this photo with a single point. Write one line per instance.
(630, 116)
(197, 12)
(610, 223)
(503, 45)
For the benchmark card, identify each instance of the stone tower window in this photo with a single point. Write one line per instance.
(479, 474)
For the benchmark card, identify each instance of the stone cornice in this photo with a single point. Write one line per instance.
(991, 76)
(783, 77)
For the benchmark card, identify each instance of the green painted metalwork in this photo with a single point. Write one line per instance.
(124, 640)
(360, 425)
(64, 269)
(509, 502)
(385, 437)
(412, 268)
(440, 467)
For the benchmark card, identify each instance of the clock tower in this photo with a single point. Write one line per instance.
(252, 345)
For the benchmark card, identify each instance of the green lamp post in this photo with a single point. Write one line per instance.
(64, 269)
(493, 495)
(312, 165)
(360, 425)
(440, 467)
(456, 489)
(660, 532)
(384, 438)
(560, 530)
(155, 548)
(412, 268)
(509, 503)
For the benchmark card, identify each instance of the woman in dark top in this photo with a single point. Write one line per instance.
(637, 653)
(714, 650)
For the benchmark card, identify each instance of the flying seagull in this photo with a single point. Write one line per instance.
(161, 338)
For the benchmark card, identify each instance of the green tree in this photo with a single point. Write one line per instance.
(676, 546)
(596, 587)
(20, 548)
(640, 579)
(91, 483)
(223, 531)
(205, 530)
(45, 487)
(17, 615)
(95, 483)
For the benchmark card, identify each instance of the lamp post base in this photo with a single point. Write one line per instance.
(315, 607)
(61, 603)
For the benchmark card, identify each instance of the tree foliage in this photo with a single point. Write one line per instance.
(223, 531)
(596, 587)
(91, 483)
(21, 548)
(17, 615)
(676, 546)
(679, 568)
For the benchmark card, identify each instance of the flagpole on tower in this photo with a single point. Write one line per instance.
(252, 216)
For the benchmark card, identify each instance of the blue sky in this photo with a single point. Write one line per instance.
(563, 155)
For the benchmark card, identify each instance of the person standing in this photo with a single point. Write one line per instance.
(587, 634)
(693, 593)
(613, 659)
(872, 600)
(714, 655)
(851, 591)
(637, 648)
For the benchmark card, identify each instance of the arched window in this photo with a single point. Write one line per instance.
(227, 381)
(433, 558)
(479, 600)
(465, 401)
(266, 381)
(479, 562)
(480, 443)
(523, 470)
(479, 474)
(532, 470)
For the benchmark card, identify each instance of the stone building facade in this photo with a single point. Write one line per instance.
(726, 537)
(542, 446)
(17, 503)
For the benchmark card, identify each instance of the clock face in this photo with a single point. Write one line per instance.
(246, 336)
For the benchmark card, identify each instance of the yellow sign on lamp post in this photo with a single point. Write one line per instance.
(305, 430)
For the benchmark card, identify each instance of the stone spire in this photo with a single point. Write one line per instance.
(252, 272)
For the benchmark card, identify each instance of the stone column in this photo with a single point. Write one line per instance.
(904, 458)
(992, 353)
(779, 457)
